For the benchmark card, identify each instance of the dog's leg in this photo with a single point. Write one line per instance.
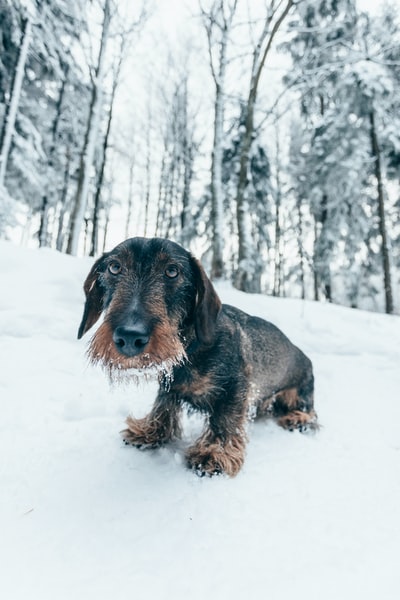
(160, 426)
(221, 447)
(293, 408)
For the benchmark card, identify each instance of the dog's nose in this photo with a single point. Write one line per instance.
(131, 341)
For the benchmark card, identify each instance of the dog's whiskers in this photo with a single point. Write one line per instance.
(123, 371)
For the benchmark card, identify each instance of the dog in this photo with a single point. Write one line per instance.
(164, 319)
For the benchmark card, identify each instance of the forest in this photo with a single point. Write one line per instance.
(264, 135)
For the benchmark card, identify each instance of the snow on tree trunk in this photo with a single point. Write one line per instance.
(244, 277)
(148, 170)
(187, 151)
(63, 201)
(92, 130)
(376, 155)
(217, 268)
(247, 276)
(14, 100)
(218, 23)
(278, 254)
(96, 210)
(130, 198)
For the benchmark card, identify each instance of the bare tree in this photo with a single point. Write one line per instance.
(376, 155)
(278, 230)
(247, 276)
(217, 22)
(120, 53)
(130, 196)
(89, 146)
(43, 233)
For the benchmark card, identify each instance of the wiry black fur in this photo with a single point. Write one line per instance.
(214, 358)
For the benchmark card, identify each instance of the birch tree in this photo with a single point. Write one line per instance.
(218, 21)
(122, 45)
(91, 136)
(247, 275)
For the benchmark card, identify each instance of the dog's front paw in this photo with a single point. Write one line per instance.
(216, 458)
(140, 442)
(203, 464)
(141, 433)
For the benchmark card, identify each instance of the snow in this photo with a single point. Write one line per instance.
(83, 516)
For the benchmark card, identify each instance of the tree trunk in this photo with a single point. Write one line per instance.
(301, 248)
(244, 274)
(87, 156)
(63, 202)
(148, 174)
(246, 278)
(325, 256)
(277, 257)
(44, 231)
(315, 271)
(187, 152)
(108, 211)
(218, 19)
(277, 241)
(130, 199)
(12, 107)
(170, 193)
(376, 155)
(44, 219)
(94, 246)
(217, 200)
(161, 205)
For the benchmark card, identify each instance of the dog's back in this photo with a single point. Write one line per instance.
(274, 365)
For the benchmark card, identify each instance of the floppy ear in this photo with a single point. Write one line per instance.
(94, 300)
(207, 305)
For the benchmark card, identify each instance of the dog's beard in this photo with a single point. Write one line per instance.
(128, 371)
(155, 364)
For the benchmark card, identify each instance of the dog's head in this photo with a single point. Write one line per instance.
(154, 296)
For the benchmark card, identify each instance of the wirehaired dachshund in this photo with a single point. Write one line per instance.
(163, 318)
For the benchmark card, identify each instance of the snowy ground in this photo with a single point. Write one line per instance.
(84, 517)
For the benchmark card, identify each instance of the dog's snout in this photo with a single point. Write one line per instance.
(131, 340)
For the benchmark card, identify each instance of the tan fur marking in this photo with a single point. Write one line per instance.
(199, 386)
(289, 397)
(210, 455)
(155, 429)
(164, 343)
(101, 347)
(298, 419)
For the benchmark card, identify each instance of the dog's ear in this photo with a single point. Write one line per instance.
(207, 305)
(94, 299)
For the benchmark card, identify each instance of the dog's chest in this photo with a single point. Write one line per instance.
(193, 387)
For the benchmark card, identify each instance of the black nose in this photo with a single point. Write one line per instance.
(132, 340)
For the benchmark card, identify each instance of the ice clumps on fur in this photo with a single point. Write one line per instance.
(162, 371)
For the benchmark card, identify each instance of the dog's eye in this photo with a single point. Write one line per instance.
(172, 271)
(114, 267)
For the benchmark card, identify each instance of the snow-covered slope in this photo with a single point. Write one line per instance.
(82, 516)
